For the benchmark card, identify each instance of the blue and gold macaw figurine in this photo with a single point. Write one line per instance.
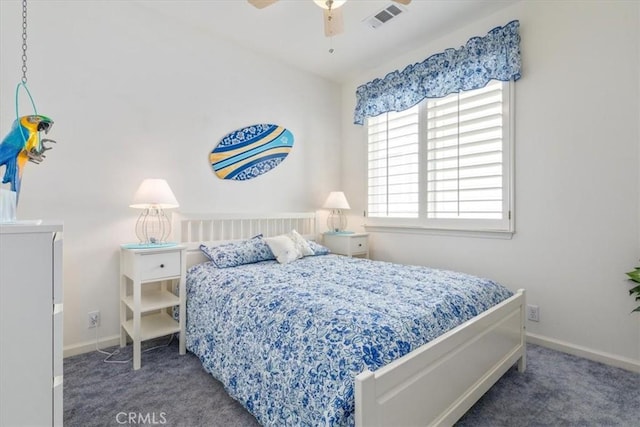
(22, 144)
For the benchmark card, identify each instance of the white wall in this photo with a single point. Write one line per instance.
(133, 96)
(577, 183)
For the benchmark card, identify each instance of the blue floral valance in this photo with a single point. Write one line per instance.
(493, 57)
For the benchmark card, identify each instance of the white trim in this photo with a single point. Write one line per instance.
(563, 346)
(89, 346)
(415, 229)
(584, 352)
(474, 227)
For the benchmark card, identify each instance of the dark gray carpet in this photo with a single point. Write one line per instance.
(556, 390)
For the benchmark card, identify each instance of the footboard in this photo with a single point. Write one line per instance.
(438, 382)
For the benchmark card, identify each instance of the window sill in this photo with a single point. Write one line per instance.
(414, 229)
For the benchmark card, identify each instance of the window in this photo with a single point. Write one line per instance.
(445, 163)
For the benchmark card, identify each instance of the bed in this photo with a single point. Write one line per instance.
(332, 340)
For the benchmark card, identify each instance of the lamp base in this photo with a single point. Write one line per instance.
(336, 221)
(153, 226)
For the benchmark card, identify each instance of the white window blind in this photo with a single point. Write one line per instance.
(394, 164)
(464, 154)
(444, 163)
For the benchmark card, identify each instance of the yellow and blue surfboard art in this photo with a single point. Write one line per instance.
(251, 151)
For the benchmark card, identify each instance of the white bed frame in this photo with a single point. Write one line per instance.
(433, 385)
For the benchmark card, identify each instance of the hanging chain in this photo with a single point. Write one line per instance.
(24, 41)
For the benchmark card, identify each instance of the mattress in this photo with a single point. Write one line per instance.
(287, 340)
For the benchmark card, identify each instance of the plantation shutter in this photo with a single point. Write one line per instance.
(393, 142)
(464, 151)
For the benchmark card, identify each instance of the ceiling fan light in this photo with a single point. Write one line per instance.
(336, 3)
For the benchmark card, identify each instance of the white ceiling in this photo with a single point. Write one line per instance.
(292, 30)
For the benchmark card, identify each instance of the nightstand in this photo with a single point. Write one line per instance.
(147, 280)
(353, 244)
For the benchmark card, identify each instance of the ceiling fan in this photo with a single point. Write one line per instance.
(332, 13)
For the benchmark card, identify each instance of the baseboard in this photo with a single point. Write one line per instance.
(586, 353)
(89, 346)
(565, 347)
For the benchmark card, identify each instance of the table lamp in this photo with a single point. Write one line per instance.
(337, 220)
(153, 225)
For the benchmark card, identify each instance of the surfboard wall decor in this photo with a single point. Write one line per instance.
(251, 151)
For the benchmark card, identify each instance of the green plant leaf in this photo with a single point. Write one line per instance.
(634, 275)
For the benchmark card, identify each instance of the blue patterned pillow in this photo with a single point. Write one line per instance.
(237, 253)
(317, 248)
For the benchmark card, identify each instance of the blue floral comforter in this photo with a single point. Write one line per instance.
(287, 340)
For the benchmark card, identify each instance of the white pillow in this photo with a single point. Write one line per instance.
(283, 248)
(302, 246)
(289, 247)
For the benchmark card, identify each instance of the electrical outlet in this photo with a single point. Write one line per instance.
(93, 319)
(533, 313)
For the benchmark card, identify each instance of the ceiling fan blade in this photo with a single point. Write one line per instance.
(333, 24)
(261, 4)
(404, 2)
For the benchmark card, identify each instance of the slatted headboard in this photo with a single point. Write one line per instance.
(216, 228)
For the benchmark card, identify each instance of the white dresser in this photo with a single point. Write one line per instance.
(31, 324)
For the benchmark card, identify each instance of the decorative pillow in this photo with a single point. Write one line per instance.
(283, 248)
(302, 246)
(317, 248)
(237, 253)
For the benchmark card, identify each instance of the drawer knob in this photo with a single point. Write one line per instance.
(360, 244)
(161, 265)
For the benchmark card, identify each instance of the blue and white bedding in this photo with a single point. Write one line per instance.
(287, 340)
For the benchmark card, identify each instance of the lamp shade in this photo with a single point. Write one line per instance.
(336, 200)
(155, 193)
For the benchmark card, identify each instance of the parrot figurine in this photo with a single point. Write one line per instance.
(22, 144)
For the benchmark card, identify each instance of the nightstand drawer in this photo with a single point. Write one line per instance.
(350, 244)
(159, 265)
(358, 245)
